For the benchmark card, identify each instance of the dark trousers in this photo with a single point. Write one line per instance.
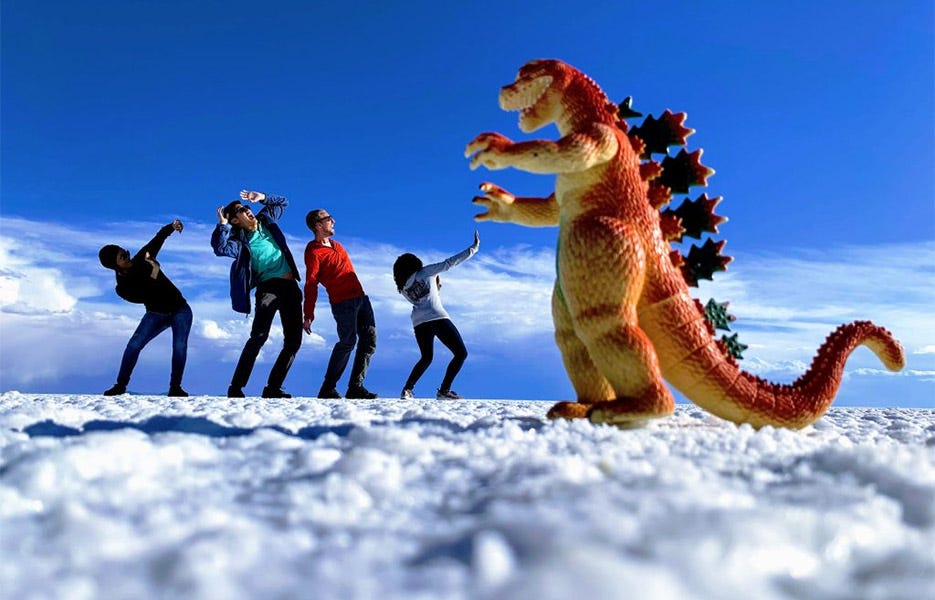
(151, 325)
(448, 334)
(356, 326)
(284, 296)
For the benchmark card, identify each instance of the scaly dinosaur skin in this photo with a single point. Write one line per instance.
(624, 319)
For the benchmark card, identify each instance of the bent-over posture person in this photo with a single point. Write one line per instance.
(419, 285)
(261, 260)
(141, 280)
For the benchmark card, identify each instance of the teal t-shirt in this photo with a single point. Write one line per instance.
(266, 258)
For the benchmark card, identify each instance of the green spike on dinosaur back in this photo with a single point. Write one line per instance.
(684, 171)
(717, 315)
(702, 262)
(733, 347)
(697, 216)
(624, 111)
(659, 134)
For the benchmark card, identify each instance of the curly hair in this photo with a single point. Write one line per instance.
(404, 267)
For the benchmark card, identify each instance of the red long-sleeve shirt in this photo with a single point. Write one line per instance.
(331, 267)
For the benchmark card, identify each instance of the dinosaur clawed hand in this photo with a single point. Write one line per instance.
(496, 200)
(487, 149)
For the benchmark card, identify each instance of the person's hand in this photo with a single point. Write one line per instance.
(307, 324)
(252, 196)
(476, 239)
(177, 225)
(221, 219)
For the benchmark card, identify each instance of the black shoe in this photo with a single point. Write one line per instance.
(329, 394)
(116, 390)
(235, 392)
(360, 393)
(177, 391)
(269, 392)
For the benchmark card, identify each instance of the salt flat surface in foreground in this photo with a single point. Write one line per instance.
(207, 497)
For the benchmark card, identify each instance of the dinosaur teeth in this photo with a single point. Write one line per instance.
(524, 94)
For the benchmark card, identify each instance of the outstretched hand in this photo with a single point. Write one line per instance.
(177, 225)
(221, 218)
(496, 200)
(252, 196)
(476, 239)
(488, 150)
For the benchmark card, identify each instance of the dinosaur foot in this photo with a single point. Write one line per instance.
(569, 410)
(626, 413)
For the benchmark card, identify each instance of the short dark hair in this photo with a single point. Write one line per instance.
(108, 256)
(404, 267)
(230, 208)
(312, 217)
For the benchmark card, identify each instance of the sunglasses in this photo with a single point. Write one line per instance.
(323, 219)
(240, 209)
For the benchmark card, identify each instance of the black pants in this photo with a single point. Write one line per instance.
(284, 296)
(448, 334)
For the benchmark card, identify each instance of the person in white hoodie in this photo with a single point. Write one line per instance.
(419, 285)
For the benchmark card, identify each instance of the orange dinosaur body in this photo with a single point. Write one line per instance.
(624, 318)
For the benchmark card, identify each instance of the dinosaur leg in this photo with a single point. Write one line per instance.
(602, 304)
(590, 386)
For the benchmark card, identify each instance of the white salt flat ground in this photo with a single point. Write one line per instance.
(208, 497)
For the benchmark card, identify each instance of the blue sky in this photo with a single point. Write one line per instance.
(117, 117)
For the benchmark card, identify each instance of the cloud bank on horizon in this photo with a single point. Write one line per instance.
(64, 329)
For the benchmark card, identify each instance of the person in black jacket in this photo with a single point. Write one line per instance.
(141, 280)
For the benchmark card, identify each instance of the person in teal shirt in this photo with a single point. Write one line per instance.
(262, 260)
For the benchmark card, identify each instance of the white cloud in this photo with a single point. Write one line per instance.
(28, 289)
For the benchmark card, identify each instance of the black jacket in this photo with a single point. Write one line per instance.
(145, 283)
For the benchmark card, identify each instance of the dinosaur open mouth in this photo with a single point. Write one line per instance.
(524, 94)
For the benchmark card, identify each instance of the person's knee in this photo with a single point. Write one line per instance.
(136, 343)
(461, 354)
(368, 340)
(259, 338)
(292, 343)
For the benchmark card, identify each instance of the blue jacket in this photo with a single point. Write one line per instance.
(226, 241)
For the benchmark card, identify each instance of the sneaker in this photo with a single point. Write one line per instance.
(177, 391)
(116, 390)
(406, 395)
(360, 393)
(447, 395)
(235, 392)
(269, 392)
(329, 394)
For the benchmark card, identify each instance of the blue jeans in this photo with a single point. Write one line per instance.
(151, 325)
(356, 326)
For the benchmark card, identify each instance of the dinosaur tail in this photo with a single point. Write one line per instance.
(714, 381)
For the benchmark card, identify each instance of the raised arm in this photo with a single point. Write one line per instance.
(504, 207)
(273, 206)
(452, 261)
(154, 245)
(575, 152)
(221, 241)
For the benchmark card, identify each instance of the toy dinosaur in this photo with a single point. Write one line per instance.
(624, 319)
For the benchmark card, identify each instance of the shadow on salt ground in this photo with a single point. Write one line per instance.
(206, 427)
(196, 425)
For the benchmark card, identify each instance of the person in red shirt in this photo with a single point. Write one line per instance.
(327, 263)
